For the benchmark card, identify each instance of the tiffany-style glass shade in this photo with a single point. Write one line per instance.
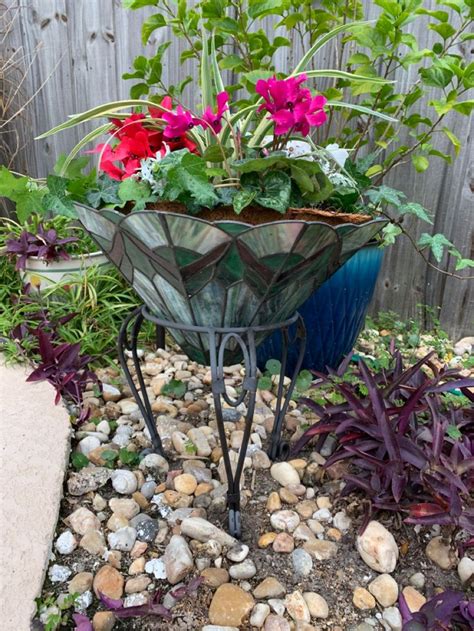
(225, 274)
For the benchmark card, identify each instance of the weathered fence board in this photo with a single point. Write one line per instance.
(80, 50)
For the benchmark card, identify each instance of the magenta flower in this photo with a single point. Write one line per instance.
(280, 94)
(214, 120)
(179, 122)
(291, 107)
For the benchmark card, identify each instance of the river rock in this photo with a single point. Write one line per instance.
(215, 576)
(441, 553)
(317, 605)
(82, 520)
(302, 562)
(66, 542)
(244, 570)
(393, 618)
(276, 623)
(378, 548)
(87, 479)
(285, 520)
(124, 482)
(385, 589)
(466, 570)
(202, 530)
(363, 599)
(127, 508)
(270, 587)
(178, 559)
(296, 607)
(320, 549)
(284, 473)
(108, 581)
(414, 599)
(230, 606)
(259, 615)
(123, 539)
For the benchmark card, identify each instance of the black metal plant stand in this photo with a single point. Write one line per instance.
(219, 339)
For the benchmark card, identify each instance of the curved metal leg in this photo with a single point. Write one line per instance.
(135, 321)
(280, 449)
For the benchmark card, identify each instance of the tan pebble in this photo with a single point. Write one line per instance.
(139, 548)
(115, 522)
(230, 606)
(161, 488)
(80, 583)
(103, 621)
(363, 599)
(321, 550)
(108, 581)
(267, 539)
(296, 607)
(215, 576)
(203, 488)
(270, 587)
(114, 558)
(306, 508)
(216, 454)
(334, 534)
(177, 500)
(323, 502)
(185, 483)
(140, 499)
(299, 464)
(137, 584)
(283, 543)
(414, 599)
(287, 496)
(137, 566)
(93, 542)
(273, 502)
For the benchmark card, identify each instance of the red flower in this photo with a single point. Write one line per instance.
(137, 141)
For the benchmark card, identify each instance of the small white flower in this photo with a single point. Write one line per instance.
(338, 154)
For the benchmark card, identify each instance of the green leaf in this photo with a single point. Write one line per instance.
(436, 76)
(131, 190)
(421, 163)
(105, 192)
(265, 383)
(175, 388)
(57, 200)
(444, 29)
(412, 208)
(273, 366)
(463, 263)
(454, 432)
(276, 191)
(304, 380)
(436, 242)
(79, 461)
(151, 24)
(187, 180)
(130, 458)
(217, 153)
(390, 233)
(454, 140)
(138, 4)
(242, 199)
(258, 8)
(464, 107)
(385, 194)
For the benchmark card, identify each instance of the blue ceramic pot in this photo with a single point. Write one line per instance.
(334, 314)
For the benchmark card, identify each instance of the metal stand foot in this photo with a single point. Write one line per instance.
(219, 340)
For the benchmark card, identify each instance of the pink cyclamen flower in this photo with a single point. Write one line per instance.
(291, 107)
(214, 120)
(179, 122)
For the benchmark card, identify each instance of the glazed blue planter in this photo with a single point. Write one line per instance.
(334, 314)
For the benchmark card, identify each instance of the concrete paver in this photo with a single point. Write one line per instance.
(34, 450)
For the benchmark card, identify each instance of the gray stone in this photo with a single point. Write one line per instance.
(393, 618)
(87, 479)
(244, 570)
(87, 444)
(147, 530)
(123, 539)
(66, 543)
(302, 562)
(59, 573)
(238, 553)
(148, 489)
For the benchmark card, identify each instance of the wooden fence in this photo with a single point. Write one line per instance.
(78, 50)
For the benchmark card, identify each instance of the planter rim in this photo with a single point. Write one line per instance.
(220, 222)
(73, 257)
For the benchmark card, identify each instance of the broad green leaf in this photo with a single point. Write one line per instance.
(463, 263)
(387, 195)
(56, 200)
(436, 242)
(421, 163)
(412, 208)
(390, 233)
(243, 198)
(138, 4)
(258, 8)
(150, 25)
(464, 107)
(216, 153)
(276, 191)
(131, 190)
(454, 140)
(174, 388)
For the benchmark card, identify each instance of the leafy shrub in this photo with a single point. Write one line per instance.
(407, 450)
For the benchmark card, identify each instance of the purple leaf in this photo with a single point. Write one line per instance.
(82, 622)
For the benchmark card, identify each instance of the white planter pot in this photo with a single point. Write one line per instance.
(43, 276)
